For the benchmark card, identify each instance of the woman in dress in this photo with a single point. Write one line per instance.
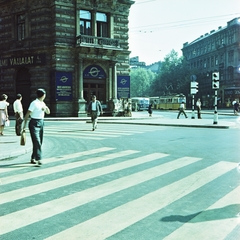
(3, 112)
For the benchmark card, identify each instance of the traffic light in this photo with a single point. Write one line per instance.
(194, 87)
(215, 80)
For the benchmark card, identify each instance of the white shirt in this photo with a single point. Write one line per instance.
(36, 107)
(3, 104)
(94, 106)
(17, 106)
(182, 105)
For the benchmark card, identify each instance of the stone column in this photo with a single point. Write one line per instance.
(114, 82)
(81, 101)
(110, 80)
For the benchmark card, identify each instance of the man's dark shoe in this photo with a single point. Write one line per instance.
(33, 161)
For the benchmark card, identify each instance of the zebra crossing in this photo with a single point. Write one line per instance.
(84, 131)
(106, 193)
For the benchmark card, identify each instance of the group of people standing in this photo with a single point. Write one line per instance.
(36, 110)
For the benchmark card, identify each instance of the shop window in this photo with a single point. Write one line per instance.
(20, 27)
(85, 22)
(102, 24)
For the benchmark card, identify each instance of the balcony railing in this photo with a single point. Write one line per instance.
(91, 41)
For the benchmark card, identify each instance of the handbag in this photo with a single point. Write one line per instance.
(7, 123)
(23, 138)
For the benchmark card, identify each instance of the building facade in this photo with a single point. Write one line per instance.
(217, 51)
(72, 48)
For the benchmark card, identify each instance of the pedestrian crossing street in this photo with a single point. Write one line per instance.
(103, 131)
(106, 193)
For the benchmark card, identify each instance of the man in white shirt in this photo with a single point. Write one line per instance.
(182, 110)
(198, 104)
(37, 110)
(18, 110)
(94, 109)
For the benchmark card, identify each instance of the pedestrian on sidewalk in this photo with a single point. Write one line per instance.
(36, 110)
(182, 110)
(150, 110)
(233, 105)
(236, 107)
(3, 112)
(18, 110)
(198, 105)
(94, 109)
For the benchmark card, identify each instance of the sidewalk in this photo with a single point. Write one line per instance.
(10, 143)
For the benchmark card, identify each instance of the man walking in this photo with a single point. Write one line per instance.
(94, 109)
(182, 110)
(18, 110)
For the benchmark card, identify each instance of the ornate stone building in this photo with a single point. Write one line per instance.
(72, 48)
(217, 51)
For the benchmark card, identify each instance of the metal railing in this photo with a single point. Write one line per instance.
(92, 41)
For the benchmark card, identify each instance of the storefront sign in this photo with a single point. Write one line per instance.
(26, 60)
(63, 86)
(123, 87)
(94, 71)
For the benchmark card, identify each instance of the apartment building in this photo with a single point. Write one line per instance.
(72, 48)
(218, 50)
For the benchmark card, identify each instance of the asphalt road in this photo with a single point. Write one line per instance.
(124, 182)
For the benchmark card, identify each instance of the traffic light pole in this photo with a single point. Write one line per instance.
(215, 116)
(193, 112)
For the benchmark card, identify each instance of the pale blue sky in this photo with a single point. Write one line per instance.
(158, 26)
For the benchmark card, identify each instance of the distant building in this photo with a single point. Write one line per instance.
(154, 67)
(72, 48)
(217, 51)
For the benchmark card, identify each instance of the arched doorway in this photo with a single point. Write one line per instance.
(94, 83)
(23, 86)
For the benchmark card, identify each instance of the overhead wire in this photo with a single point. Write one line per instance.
(178, 24)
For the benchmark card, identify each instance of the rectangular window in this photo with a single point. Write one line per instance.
(85, 22)
(102, 24)
(20, 27)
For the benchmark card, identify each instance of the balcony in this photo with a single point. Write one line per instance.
(98, 42)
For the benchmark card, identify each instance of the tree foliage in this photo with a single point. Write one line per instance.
(141, 82)
(174, 76)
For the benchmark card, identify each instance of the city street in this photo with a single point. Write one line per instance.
(125, 181)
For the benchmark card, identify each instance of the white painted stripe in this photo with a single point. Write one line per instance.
(101, 131)
(215, 227)
(59, 158)
(119, 218)
(142, 176)
(63, 167)
(82, 134)
(57, 206)
(76, 136)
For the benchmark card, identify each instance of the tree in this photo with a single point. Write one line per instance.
(141, 82)
(174, 76)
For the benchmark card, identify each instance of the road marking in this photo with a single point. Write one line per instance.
(127, 214)
(58, 158)
(207, 225)
(44, 187)
(63, 167)
(25, 217)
